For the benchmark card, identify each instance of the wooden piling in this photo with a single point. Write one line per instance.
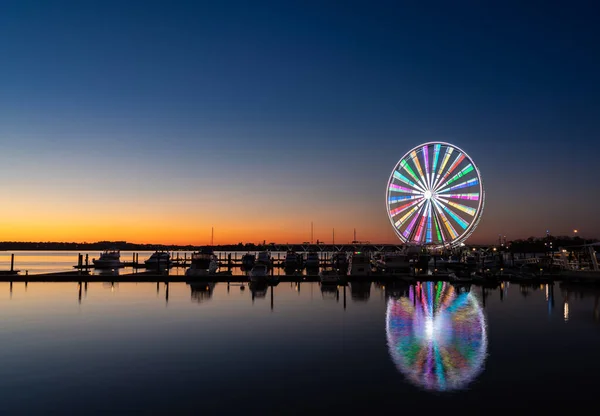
(12, 263)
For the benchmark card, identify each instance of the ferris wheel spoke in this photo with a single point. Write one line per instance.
(399, 176)
(471, 196)
(465, 184)
(428, 231)
(436, 156)
(415, 158)
(459, 220)
(403, 190)
(468, 210)
(406, 216)
(422, 222)
(406, 166)
(447, 154)
(439, 232)
(397, 199)
(426, 164)
(402, 208)
(445, 221)
(464, 171)
(459, 158)
(408, 232)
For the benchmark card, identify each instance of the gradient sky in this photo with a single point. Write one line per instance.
(151, 121)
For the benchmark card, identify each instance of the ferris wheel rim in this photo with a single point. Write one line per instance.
(454, 242)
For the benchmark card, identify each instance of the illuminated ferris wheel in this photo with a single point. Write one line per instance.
(435, 196)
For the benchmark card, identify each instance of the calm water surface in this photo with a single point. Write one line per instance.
(295, 348)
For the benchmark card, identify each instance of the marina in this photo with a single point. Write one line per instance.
(473, 266)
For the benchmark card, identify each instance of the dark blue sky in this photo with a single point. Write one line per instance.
(301, 109)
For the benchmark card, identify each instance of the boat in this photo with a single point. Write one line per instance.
(393, 263)
(359, 264)
(108, 259)
(329, 276)
(204, 262)
(339, 261)
(259, 272)
(248, 261)
(312, 260)
(292, 260)
(264, 258)
(159, 259)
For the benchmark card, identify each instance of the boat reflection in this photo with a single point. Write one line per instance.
(360, 290)
(258, 288)
(437, 336)
(329, 291)
(201, 291)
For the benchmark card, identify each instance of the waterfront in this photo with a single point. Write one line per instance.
(156, 348)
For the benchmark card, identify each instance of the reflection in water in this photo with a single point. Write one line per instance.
(201, 291)
(360, 290)
(258, 289)
(437, 336)
(330, 292)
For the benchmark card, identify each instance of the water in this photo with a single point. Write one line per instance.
(296, 348)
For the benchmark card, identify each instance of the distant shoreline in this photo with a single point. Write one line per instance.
(536, 245)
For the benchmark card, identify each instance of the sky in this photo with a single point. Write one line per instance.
(153, 121)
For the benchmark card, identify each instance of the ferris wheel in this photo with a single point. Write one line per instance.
(435, 196)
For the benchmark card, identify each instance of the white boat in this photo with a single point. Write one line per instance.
(203, 262)
(108, 259)
(360, 264)
(259, 272)
(264, 258)
(312, 260)
(159, 259)
(329, 276)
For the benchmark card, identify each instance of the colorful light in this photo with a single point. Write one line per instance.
(437, 336)
(434, 170)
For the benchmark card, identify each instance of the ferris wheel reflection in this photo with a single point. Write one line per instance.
(437, 336)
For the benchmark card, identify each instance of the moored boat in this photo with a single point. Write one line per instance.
(203, 262)
(292, 261)
(359, 264)
(159, 259)
(393, 263)
(263, 258)
(339, 261)
(329, 276)
(259, 272)
(108, 259)
(248, 261)
(312, 260)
